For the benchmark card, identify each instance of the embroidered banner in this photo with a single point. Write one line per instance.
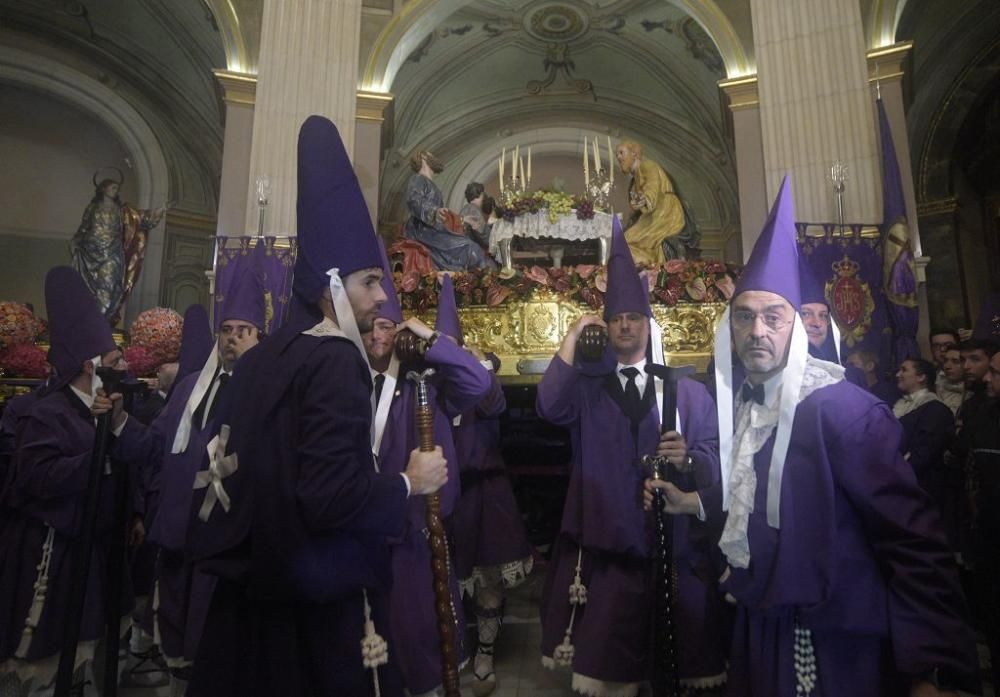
(273, 260)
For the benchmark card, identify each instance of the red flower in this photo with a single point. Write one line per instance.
(25, 361)
(675, 266)
(538, 275)
(584, 270)
(141, 361)
(159, 330)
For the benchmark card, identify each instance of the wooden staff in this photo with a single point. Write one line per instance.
(438, 542)
(666, 680)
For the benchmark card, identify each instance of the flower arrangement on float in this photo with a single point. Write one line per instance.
(671, 283)
(555, 203)
(25, 360)
(17, 324)
(157, 331)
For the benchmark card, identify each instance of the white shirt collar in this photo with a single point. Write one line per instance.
(772, 391)
(85, 397)
(640, 379)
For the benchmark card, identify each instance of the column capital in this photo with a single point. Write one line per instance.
(888, 63)
(941, 206)
(742, 92)
(371, 106)
(237, 88)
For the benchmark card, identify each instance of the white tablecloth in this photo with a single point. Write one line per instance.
(536, 225)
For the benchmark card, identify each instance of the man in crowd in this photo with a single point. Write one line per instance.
(842, 578)
(598, 599)
(44, 499)
(951, 379)
(867, 362)
(457, 384)
(174, 449)
(295, 515)
(940, 339)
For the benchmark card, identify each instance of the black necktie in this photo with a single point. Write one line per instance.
(379, 383)
(754, 392)
(223, 379)
(632, 396)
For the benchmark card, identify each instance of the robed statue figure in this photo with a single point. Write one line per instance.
(109, 246)
(658, 230)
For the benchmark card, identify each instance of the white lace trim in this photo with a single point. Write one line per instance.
(508, 575)
(754, 425)
(911, 402)
(706, 682)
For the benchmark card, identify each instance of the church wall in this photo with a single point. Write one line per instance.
(49, 151)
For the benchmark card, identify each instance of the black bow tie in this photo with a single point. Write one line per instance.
(754, 392)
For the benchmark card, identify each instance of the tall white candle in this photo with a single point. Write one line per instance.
(586, 164)
(597, 157)
(611, 163)
(528, 182)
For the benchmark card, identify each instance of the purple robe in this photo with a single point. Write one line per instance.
(46, 490)
(604, 516)
(305, 535)
(487, 526)
(182, 594)
(860, 560)
(459, 383)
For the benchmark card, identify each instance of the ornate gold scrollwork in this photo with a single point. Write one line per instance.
(528, 334)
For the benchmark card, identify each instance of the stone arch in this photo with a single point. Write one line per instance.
(419, 17)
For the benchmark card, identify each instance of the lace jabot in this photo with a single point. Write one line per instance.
(754, 425)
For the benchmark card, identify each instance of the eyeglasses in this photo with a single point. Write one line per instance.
(745, 319)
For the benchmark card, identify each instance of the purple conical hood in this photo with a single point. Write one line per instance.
(447, 321)
(390, 309)
(626, 291)
(196, 342)
(334, 227)
(245, 298)
(78, 330)
(774, 263)
(810, 287)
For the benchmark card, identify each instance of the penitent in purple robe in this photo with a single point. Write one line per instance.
(487, 527)
(604, 515)
(860, 560)
(182, 594)
(460, 382)
(304, 540)
(44, 499)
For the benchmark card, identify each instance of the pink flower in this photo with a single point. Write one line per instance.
(584, 270)
(410, 281)
(601, 280)
(675, 266)
(496, 294)
(538, 275)
(696, 289)
(726, 286)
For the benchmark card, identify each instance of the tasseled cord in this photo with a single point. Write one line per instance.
(563, 655)
(38, 599)
(374, 649)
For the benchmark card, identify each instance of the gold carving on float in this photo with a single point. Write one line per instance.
(526, 335)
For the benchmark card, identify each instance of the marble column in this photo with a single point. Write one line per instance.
(754, 204)
(815, 105)
(369, 124)
(239, 92)
(308, 65)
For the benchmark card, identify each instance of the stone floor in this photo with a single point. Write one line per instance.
(518, 659)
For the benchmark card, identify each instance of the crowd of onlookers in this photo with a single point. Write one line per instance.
(949, 408)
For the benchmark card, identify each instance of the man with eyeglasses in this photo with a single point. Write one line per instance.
(44, 497)
(843, 581)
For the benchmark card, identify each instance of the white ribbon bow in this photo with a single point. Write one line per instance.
(220, 466)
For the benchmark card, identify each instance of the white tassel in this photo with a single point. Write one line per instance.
(374, 649)
(38, 600)
(563, 654)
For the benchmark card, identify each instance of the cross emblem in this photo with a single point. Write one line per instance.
(220, 466)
